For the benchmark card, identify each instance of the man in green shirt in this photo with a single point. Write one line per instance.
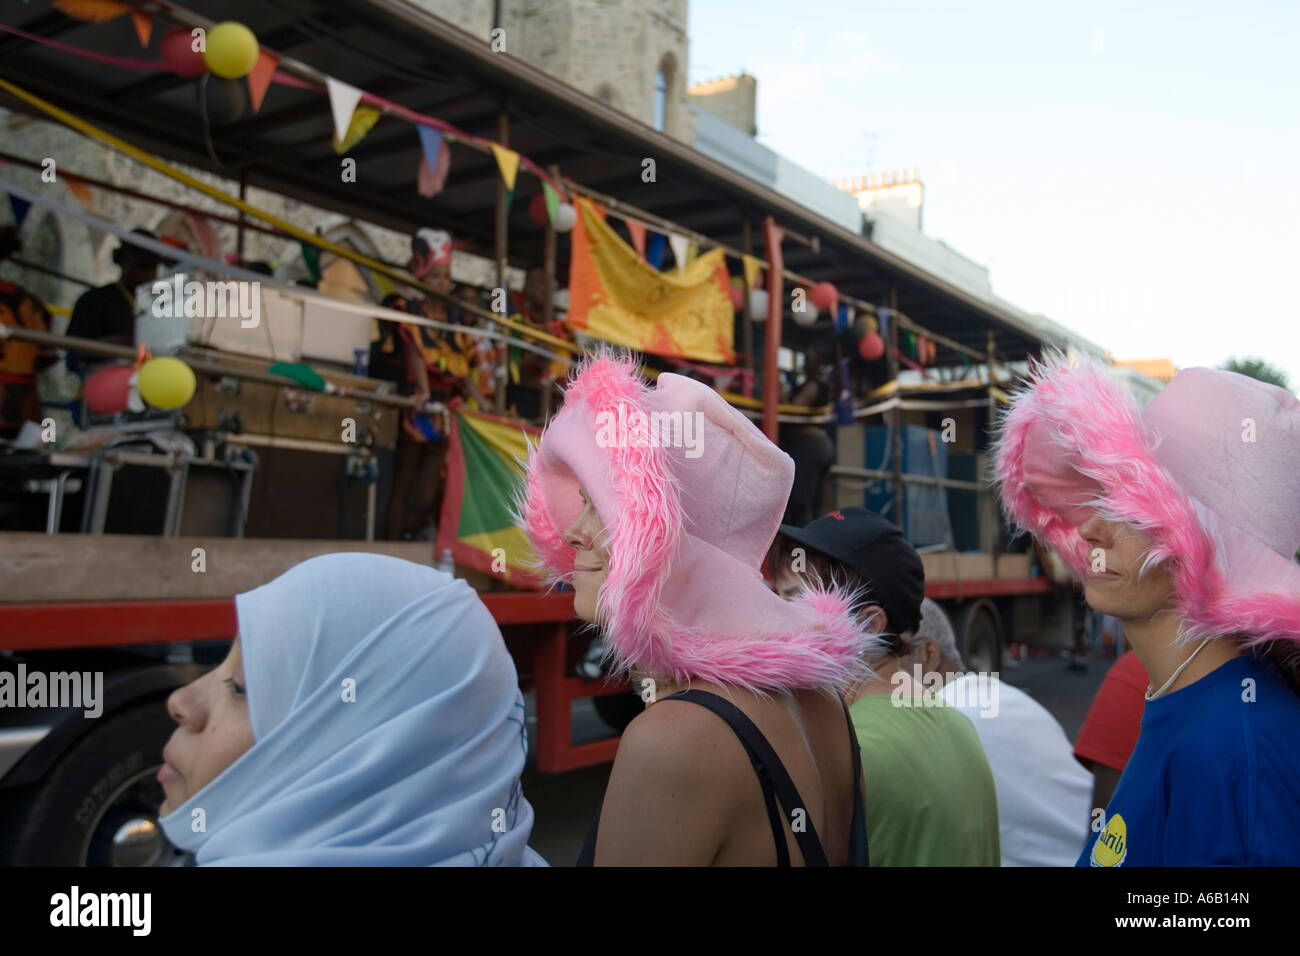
(929, 788)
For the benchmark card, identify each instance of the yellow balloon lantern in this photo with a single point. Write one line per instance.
(231, 50)
(166, 383)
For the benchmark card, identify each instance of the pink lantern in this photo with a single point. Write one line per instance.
(872, 346)
(824, 296)
(177, 48)
(737, 297)
(107, 391)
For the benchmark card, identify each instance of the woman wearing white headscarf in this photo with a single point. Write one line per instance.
(368, 715)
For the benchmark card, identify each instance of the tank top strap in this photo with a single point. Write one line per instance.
(772, 777)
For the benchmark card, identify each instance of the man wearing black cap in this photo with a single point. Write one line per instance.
(108, 313)
(929, 789)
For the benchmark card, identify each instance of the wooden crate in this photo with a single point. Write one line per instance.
(287, 412)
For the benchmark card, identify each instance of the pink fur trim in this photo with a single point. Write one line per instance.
(644, 540)
(1097, 429)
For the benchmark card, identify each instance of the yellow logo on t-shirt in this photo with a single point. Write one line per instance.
(1112, 843)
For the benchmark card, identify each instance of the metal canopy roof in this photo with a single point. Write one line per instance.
(398, 51)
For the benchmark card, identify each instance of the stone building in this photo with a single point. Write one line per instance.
(630, 54)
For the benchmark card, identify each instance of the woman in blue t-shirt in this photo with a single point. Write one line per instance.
(1183, 522)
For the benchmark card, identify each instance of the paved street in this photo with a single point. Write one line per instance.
(566, 803)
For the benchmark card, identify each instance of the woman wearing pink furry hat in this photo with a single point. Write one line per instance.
(658, 505)
(1183, 521)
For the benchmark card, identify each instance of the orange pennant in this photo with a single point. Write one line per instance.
(143, 26)
(259, 78)
(80, 190)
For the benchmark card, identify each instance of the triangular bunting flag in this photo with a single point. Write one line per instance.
(679, 245)
(259, 78)
(752, 267)
(363, 118)
(343, 103)
(508, 161)
(431, 140)
(80, 190)
(20, 208)
(636, 230)
(654, 253)
(428, 183)
(91, 11)
(552, 200)
(143, 26)
(312, 259)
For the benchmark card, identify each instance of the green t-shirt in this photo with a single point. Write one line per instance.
(930, 796)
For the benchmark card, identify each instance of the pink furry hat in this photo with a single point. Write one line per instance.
(1210, 470)
(692, 494)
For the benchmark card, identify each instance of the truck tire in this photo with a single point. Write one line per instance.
(98, 806)
(981, 636)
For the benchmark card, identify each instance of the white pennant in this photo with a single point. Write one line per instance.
(343, 103)
(679, 246)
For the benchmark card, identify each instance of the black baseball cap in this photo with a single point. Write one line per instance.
(875, 550)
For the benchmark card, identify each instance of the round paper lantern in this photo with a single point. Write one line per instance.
(166, 382)
(231, 50)
(537, 209)
(566, 217)
(177, 48)
(758, 305)
(108, 390)
(872, 346)
(737, 297)
(808, 316)
(823, 295)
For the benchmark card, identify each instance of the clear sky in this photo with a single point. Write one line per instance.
(1129, 170)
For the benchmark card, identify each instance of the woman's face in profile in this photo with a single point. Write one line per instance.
(214, 730)
(591, 563)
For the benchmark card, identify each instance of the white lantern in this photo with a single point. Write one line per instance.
(565, 217)
(807, 316)
(758, 305)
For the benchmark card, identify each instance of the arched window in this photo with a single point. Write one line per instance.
(661, 97)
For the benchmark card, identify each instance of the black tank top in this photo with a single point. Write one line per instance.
(777, 786)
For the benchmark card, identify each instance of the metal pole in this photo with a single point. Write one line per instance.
(896, 414)
(746, 318)
(775, 301)
(502, 223)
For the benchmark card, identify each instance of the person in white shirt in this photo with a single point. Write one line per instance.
(1043, 794)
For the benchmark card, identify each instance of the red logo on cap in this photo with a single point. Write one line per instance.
(836, 515)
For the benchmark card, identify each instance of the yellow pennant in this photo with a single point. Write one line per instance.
(363, 117)
(752, 267)
(508, 161)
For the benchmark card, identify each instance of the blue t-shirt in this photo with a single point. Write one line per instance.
(1214, 779)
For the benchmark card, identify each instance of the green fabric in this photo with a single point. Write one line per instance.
(491, 484)
(930, 796)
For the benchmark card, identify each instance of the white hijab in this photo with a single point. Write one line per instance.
(421, 769)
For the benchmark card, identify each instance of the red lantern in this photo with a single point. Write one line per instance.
(537, 209)
(737, 297)
(872, 346)
(177, 49)
(106, 392)
(824, 296)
